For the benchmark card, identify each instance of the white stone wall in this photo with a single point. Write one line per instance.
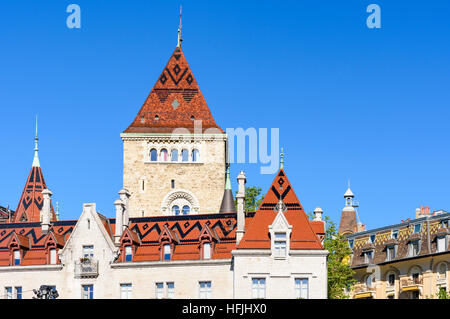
(280, 274)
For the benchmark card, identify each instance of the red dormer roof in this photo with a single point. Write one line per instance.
(31, 201)
(303, 235)
(174, 102)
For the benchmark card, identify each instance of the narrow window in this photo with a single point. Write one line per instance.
(172, 183)
(8, 293)
(164, 155)
(280, 245)
(369, 281)
(125, 291)
(18, 292)
(88, 251)
(350, 243)
(167, 252)
(204, 290)
(414, 248)
(186, 210)
(153, 155)
(372, 239)
(16, 257)
(417, 228)
(53, 258)
(301, 288)
(128, 253)
(195, 155)
(159, 293)
(87, 291)
(442, 271)
(390, 253)
(441, 244)
(174, 156)
(258, 288)
(170, 290)
(368, 256)
(184, 155)
(206, 251)
(176, 210)
(391, 280)
(394, 234)
(143, 185)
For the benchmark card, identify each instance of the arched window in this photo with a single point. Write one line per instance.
(153, 155)
(195, 155)
(164, 155)
(174, 156)
(184, 155)
(370, 280)
(176, 210)
(186, 210)
(442, 271)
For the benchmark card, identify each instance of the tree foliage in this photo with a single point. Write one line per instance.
(253, 198)
(340, 275)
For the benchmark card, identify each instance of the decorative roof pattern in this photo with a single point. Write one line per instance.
(187, 230)
(304, 235)
(34, 241)
(32, 200)
(383, 238)
(174, 102)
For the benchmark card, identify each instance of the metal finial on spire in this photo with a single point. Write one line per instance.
(57, 211)
(180, 39)
(228, 181)
(281, 159)
(36, 149)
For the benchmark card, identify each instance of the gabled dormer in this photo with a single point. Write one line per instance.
(280, 233)
(128, 244)
(18, 246)
(53, 243)
(167, 240)
(207, 242)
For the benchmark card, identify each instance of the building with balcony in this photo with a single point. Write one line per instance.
(177, 232)
(409, 260)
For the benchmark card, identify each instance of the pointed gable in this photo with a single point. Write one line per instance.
(32, 200)
(257, 235)
(174, 102)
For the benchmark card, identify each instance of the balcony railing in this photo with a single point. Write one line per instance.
(362, 291)
(410, 283)
(86, 268)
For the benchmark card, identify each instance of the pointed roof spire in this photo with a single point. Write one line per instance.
(180, 39)
(175, 104)
(36, 149)
(227, 205)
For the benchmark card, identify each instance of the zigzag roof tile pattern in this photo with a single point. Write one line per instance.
(31, 200)
(174, 102)
(304, 232)
(35, 249)
(187, 231)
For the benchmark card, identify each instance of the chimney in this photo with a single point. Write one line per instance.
(124, 195)
(318, 214)
(46, 214)
(119, 220)
(240, 199)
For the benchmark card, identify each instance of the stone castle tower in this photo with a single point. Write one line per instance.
(175, 155)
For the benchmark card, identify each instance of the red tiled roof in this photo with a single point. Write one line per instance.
(32, 239)
(186, 230)
(31, 200)
(304, 234)
(174, 102)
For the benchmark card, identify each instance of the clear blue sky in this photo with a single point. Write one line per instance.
(369, 105)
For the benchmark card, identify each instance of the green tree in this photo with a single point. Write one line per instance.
(340, 275)
(253, 198)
